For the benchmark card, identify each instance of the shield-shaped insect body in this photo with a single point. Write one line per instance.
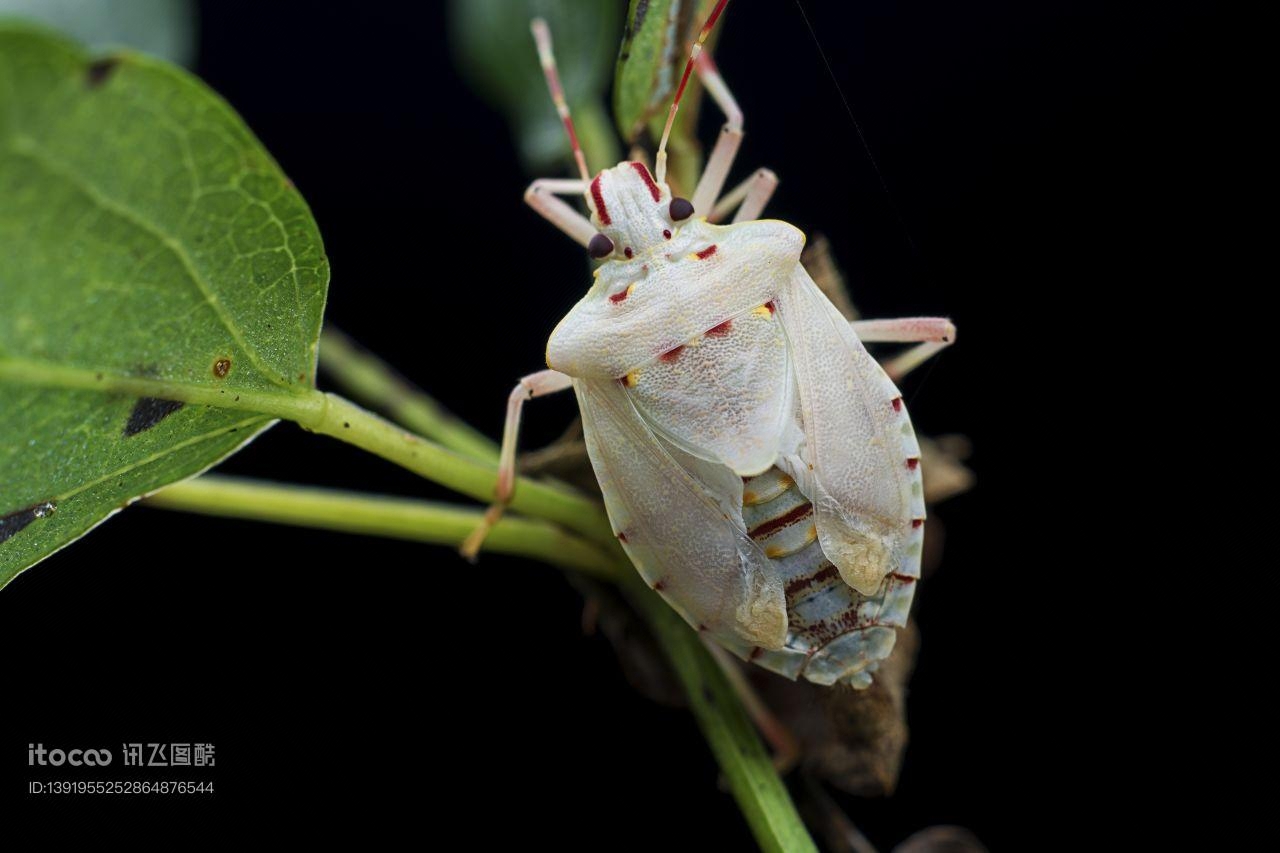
(757, 464)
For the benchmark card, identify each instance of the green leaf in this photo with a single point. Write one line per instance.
(163, 28)
(494, 49)
(147, 241)
(655, 49)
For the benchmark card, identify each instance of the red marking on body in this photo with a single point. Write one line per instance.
(916, 523)
(643, 172)
(822, 632)
(707, 252)
(597, 196)
(801, 584)
(721, 330)
(620, 295)
(627, 251)
(773, 525)
(905, 579)
(772, 308)
(756, 651)
(622, 537)
(897, 404)
(666, 234)
(913, 463)
(701, 627)
(659, 585)
(671, 354)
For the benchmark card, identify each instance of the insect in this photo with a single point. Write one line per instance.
(757, 464)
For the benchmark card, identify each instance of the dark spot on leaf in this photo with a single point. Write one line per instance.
(346, 425)
(148, 412)
(222, 367)
(100, 71)
(708, 696)
(642, 9)
(14, 522)
(302, 377)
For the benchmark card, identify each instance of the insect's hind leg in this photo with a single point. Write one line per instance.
(930, 334)
(541, 196)
(534, 385)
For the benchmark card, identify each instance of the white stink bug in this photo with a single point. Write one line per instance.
(757, 464)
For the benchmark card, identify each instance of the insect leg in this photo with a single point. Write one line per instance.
(752, 194)
(722, 156)
(534, 385)
(931, 334)
(541, 196)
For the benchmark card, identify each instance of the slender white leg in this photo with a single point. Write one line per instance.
(752, 194)
(541, 196)
(932, 334)
(722, 156)
(534, 385)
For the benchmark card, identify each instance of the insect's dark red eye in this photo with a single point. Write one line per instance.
(681, 208)
(600, 247)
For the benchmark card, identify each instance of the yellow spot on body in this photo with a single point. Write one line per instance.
(762, 312)
(631, 287)
(748, 498)
(774, 551)
(631, 379)
(811, 534)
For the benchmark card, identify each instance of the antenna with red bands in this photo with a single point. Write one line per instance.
(542, 37)
(660, 170)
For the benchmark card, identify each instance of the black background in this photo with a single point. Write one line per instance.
(1037, 159)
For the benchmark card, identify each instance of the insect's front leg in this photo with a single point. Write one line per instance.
(752, 194)
(931, 334)
(534, 385)
(541, 196)
(722, 156)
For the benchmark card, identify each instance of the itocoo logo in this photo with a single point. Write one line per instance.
(37, 754)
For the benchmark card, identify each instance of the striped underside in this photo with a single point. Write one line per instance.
(834, 632)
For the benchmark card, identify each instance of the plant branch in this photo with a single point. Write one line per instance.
(329, 414)
(346, 421)
(380, 515)
(716, 705)
(727, 727)
(370, 381)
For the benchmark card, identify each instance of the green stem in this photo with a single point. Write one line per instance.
(329, 414)
(369, 380)
(717, 707)
(380, 515)
(303, 405)
(728, 729)
(348, 422)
